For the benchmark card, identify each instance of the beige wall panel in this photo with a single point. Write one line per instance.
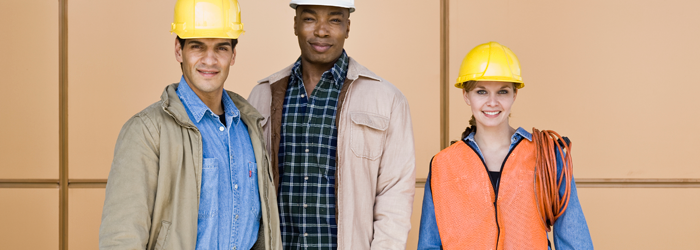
(84, 216)
(642, 218)
(29, 100)
(121, 57)
(134, 71)
(608, 74)
(29, 219)
(415, 219)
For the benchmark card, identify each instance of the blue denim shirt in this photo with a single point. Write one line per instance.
(229, 203)
(570, 230)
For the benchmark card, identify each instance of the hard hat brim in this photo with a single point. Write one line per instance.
(350, 8)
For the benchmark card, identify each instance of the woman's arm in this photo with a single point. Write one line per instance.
(571, 229)
(428, 236)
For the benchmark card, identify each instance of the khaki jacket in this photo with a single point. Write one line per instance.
(152, 197)
(375, 176)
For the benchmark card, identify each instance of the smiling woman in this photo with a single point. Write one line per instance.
(496, 165)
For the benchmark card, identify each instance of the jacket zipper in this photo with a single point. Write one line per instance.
(495, 188)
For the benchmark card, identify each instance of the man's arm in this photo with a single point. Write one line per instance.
(396, 183)
(130, 194)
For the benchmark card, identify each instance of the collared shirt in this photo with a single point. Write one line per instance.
(229, 203)
(570, 230)
(307, 159)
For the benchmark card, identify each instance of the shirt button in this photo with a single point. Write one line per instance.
(221, 128)
(302, 95)
(235, 186)
(234, 248)
(236, 217)
(307, 150)
(305, 234)
(306, 178)
(305, 205)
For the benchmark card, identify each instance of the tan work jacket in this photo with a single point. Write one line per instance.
(153, 190)
(375, 175)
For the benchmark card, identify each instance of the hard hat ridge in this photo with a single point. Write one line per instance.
(490, 62)
(349, 4)
(207, 19)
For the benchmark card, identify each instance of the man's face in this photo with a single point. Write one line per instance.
(205, 62)
(321, 31)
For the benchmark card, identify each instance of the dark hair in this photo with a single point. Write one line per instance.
(182, 42)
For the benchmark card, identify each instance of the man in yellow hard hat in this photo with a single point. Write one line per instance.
(340, 140)
(191, 171)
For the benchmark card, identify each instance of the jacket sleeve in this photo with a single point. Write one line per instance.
(571, 229)
(130, 193)
(396, 182)
(428, 236)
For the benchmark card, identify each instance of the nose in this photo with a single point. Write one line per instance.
(321, 29)
(492, 101)
(209, 57)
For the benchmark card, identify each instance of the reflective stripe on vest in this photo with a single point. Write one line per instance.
(464, 200)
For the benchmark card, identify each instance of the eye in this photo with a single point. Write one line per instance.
(195, 46)
(308, 19)
(335, 20)
(503, 92)
(481, 92)
(223, 48)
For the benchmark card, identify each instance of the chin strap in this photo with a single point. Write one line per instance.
(549, 204)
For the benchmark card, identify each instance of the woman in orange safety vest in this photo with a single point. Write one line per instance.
(500, 187)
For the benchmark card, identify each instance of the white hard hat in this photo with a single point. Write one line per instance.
(350, 4)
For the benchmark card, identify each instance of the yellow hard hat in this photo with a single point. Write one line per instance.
(207, 19)
(490, 62)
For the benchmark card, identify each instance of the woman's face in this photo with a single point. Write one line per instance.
(491, 102)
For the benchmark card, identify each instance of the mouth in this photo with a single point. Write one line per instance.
(491, 114)
(208, 73)
(320, 47)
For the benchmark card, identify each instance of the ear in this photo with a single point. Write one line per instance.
(233, 57)
(295, 26)
(347, 32)
(465, 94)
(178, 50)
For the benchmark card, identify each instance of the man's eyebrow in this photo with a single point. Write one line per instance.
(310, 11)
(195, 42)
(224, 44)
(338, 13)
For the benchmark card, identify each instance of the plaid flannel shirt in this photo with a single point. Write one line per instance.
(307, 163)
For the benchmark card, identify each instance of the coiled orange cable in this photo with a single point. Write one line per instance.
(549, 204)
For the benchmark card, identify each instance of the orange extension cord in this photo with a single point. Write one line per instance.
(549, 204)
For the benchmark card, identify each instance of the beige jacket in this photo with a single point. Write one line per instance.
(375, 179)
(152, 196)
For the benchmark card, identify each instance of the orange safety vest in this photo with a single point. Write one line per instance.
(469, 215)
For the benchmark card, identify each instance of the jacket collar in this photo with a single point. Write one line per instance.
(355, 71)
(171, 104)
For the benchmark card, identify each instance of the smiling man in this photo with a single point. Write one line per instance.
(340, 139)
(191, 171)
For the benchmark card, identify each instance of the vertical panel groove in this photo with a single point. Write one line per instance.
(444, 73)
(63, 124)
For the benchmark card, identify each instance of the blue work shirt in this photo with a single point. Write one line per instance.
(570, 229)
(229, 202)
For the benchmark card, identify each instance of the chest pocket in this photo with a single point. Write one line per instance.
(368, 134)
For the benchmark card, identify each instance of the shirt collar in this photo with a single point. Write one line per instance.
(198, 109)
(339, 70)
(519, 134)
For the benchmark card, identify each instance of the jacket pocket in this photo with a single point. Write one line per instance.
(162, 235)
(367, 134)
